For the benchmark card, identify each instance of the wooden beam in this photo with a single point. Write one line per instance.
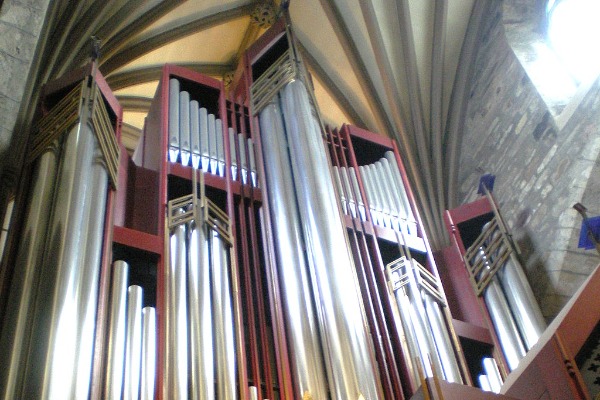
(330, 85)
(160, 37)
(121, 80)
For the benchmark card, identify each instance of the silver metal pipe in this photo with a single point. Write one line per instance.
(493, 374)
(522, 301)
(410, 334)
(484, 383)
(242, 163)
(397, 201)
(51, 362)
(148, 353)
(223, 320)
(220, 148)
(424, 335)
(16, 326)
(388, 191)
(351, 359)
(348, 192)
(505, 326)
(381, 195)
(507, 332)
(253, 393)
(443, 344)
(185, 142)
(376, 198)
(91, 265)
(204, 145)
(201, 360)
(212, 144)
(252, 163)
(133, 347)
(337, 181)
(173, 120)
(412, 222)
(195, 133)
(369, 193)
(176, 384)
(233, 154)
(356, 190)
(117, 328)
(307, 359)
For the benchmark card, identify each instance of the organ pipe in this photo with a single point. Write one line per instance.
(92, 261)
(223, 320)
(133, 347)
(148, 372)
(201, 358)
(348, 349)
(176, 367)
(498, 276)
(115, 364)
(14, 340)
(52, 356)
(308, 364)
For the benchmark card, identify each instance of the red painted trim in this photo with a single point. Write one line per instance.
(138, 240)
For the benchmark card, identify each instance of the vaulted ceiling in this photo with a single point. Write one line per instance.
(388, 65)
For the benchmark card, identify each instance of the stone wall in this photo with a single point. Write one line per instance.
(541, 170)
(20, 24)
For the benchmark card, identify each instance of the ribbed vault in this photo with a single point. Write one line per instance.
(391, 66)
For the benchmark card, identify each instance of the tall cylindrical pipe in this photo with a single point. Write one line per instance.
(491, 371)
(133, 347)
(442, 340)
(88, 300)
(350, 348)
(422, 328)
(201, 358)
(16, 327)
(410, 334)
(52, 356)
(185, 142)
(148, 353)
(173, 119)
(507, 332)
(522, 301)
(223, 320)
(308, 371)
(115, 359)
(176, 315)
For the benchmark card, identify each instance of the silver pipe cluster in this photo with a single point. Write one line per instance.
(48, 334)
(314, 259)
(420, 305)
(386, 195)
(131, 357)
(195, 137)
(243, 159)
(510, 302)
(200, 336)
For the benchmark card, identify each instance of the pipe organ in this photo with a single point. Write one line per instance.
(244, 251)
